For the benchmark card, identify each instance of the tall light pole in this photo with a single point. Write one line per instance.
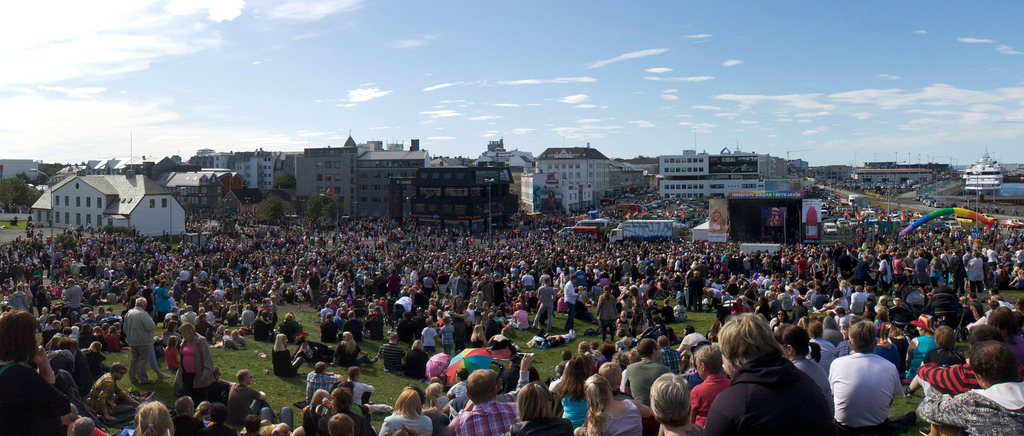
(490, 222)
(49, 184)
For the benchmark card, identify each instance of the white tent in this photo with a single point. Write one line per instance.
(700, 233)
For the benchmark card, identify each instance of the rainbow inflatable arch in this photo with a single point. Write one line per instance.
(988, 222)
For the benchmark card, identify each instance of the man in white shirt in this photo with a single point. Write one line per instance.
(569, 292)
(863, 384)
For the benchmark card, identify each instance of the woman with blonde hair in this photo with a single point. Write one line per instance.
(435, 397)
(153, 419)
(409, 414)
(284, 365)
(608, 416)
(479, 338)
(348, 352)
(195, 370)
(536, 414)
(416, 361)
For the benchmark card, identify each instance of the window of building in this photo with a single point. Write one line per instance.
(110, 221)
(163, 202)
(78, 201)
(56, 200)
(319, 177)
(152, 203)
(78, 219)
(319, 164)
(327, 164)
(67, 218)
(88, 219)
(58, 218)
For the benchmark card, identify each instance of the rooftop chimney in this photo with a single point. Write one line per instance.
(414, 145)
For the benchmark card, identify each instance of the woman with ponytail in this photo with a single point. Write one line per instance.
(804, 354)
(153, 419)
(608, 416)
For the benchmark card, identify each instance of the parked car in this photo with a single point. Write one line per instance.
(830, 229)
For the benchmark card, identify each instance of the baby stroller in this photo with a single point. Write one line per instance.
(901, 315)
(949, 312)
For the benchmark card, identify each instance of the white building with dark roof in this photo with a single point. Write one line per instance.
(572, 179)
(121, 200)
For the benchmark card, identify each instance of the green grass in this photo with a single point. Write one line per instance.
(286, 391)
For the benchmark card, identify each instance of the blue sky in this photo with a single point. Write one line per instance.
(930, 80)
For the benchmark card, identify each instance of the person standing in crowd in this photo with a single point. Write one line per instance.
(138, 328)
(195, 371)
(40, 412)
(546, 293)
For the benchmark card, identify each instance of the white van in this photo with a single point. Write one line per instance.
(830, 229)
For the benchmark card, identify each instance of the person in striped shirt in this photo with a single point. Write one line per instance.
(393, 355)
(958, 379)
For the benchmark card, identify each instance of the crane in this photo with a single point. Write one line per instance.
(788, 152)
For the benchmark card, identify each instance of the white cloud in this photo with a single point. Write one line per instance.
(630, 55)
(939, 94)
(573, 99)
(888, 77)
(810, 132)
(812, 114)
(699, 127)
(921, 32)
(485, 118)
(802, 101)
(1005, 49)
(439, 86)
(658, 70)
(643, 124)
(975, 40)
(698, 36)
(217, 10)
(366, 94)
(522, 131)
(50, 43)
(731, 63)
(681, 79)
(489, 135)
(442, 113)
(708, 108)
(589, 106)
(726, 114)
(862, 115)
(507, 104)
(441, 138)
(748, 122)
(411, 43)
(86, 92)
(545, 81)
(670, 97)
(312, 10)
(589, 120)
(669, 91)
(585, 132)
(381, 128)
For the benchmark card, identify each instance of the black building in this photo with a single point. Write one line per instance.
(451, 197)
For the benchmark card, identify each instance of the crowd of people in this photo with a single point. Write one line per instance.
(806, 340)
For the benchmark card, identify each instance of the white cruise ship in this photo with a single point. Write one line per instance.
(984, 176)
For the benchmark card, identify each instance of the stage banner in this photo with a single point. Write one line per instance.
(718, 220)
(811, 220)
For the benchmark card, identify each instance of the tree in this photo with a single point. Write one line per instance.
(284, 181)
(272, 208)
(321, 208)
(16, 192)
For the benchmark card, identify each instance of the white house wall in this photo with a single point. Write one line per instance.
(78, 205)
(155, 221)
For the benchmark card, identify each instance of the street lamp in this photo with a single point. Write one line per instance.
(490, 222)
(49, 184)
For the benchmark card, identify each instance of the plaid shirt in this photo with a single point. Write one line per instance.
(446, 334)
(105, 393)
(491, 418)
(671, 359)
(316, 381)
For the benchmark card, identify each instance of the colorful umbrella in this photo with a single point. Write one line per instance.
(471, 358)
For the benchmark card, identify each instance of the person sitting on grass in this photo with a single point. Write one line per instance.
(360, 391)
(393, 355)
(153, 419)
(217, 427)
(184, 423)
(319, 379)
(107, 398)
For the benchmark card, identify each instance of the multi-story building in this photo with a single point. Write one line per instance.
(258, 168)
(700, 175)
(463, 197)
(12, 167)
(328, 169)
(833, 173)
(892, 175)
(566, 180)
(625, 178)
(121, 200)
(518, 162)
(201, 190)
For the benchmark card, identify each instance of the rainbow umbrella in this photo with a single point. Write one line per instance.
(471, 358)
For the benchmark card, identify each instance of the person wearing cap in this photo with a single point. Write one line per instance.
(863, 384)
(921, 345)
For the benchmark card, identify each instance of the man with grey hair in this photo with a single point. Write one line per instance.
(863, 383)
(138, 330)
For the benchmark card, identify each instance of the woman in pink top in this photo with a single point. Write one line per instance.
(522, 318)
(196, 370)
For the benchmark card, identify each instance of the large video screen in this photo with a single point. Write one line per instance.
(773, 216)
(732, 164)
(748, 218)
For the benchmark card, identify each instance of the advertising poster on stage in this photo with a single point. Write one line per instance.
(811, 220)
(718, 220)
